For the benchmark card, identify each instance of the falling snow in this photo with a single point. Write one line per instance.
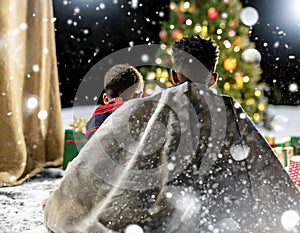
(42, 115)
(32, 102)
(239, 152)
(145, 58)
(35, 68)
(134, 229)
(23, 203)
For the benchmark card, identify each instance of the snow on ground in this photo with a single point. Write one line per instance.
(285, 122)
(21, 206)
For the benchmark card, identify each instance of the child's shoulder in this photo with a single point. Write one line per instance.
(100, 108)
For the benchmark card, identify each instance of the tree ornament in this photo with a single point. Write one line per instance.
(231, 33)
(188, 22)
(239, 82)
(239, 73)
(238, 41)
(212, 13)
(197, 28)
(226, 86)
(250, 102)
(177, 34)
(222, 24)
(261, 107)
(184, 6)
(203, 32)
(224, 15)
(192, 7)
(163, 34)
(230, 64)
(173, 6)
(169, 84)
(233, 24)
(257, 117)
(181, 18)
(226, 1)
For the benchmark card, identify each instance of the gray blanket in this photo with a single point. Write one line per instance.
(184, 160)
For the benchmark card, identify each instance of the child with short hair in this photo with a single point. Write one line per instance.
(121, 83)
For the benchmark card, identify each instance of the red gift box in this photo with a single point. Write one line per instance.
(294, 169)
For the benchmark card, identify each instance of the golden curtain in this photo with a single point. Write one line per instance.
(31, 134)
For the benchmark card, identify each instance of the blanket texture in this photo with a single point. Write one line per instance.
(184, 160)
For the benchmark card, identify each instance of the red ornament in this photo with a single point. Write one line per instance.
(177, 34)
(192, 7)
(181, 18)
(163, 34)
(212, 13)
(231, 33)
(239, 73)
(233, 24)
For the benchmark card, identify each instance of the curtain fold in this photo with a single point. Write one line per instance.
(31, 133)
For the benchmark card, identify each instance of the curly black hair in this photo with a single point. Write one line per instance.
(120, 78)
(204, 50)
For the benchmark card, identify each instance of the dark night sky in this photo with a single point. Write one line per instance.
(277, 37)
(84, 37)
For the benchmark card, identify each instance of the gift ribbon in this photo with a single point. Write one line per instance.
(74, 141)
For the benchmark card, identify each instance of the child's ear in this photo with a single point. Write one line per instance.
(105, 98)
(174, 77)
(213, 79)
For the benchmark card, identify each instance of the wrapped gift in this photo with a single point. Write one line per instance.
(294, 170)
(270, 140)
(295, 143)
(74, 141)
(284, 142)
(284, 154)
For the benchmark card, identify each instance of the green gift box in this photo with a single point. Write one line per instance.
(74, 141)
(295, 142)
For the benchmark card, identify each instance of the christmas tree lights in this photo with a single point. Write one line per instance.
(238, 67)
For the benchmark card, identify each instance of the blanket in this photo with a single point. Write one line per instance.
(183, 160)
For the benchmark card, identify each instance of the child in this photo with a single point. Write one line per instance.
(122, 82)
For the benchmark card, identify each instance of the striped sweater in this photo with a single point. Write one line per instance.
(100, 115)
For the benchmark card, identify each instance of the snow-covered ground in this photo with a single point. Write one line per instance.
(21, 206)
(285, 123)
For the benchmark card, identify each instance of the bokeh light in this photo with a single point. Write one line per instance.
(251, 55)
(32, 102)
(133, 228)
(43, 114)
(249, 16)
(290, 220)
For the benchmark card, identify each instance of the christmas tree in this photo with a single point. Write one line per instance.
(238, 68)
